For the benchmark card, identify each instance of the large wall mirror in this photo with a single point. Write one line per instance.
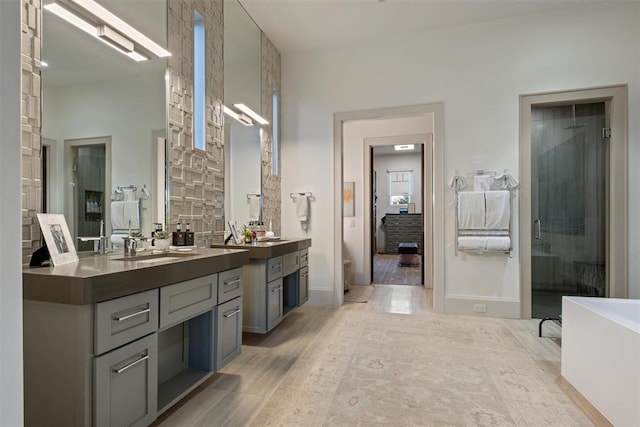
(103, 123)
(242, 84)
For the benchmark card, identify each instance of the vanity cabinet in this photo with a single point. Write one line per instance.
(274, 287)
(125, 382)
(123, 361)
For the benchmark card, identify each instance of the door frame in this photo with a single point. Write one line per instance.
(615, 99)
(426, 140)
(436, 110)
(69, 205)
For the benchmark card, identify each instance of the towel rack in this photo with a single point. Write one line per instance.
(294, 195)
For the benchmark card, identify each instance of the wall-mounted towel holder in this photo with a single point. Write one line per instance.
(294, 195)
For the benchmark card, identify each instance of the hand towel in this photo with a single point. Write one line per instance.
(254, 208)
(122, 213)
(498, 210)
(302, 208)
(129, 194)
(471, 210)
(116, 240)
(482, 182)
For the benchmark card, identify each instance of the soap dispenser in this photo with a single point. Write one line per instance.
(178, 236)
(189, 239)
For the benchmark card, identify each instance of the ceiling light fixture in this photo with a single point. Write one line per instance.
(245, 120)
(249, 112)
(403, 147)
(103, 33)
(122, 27)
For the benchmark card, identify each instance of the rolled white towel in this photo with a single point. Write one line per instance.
(116, 240)
(472, 243)
(498, 243)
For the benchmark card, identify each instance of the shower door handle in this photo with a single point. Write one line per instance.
(537, 235)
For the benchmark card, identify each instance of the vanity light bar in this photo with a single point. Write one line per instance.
(249, 112)
(91, 29)
(403, 147)
(239, 117)
(122, 27)
(109, 35)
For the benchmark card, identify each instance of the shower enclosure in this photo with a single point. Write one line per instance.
(569, 204)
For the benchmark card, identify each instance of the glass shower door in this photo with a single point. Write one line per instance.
(569, 159)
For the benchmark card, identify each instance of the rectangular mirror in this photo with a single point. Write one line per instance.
(242, 84)
(104, 123)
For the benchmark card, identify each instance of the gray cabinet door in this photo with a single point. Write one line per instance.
(125, 384)
(229, 333)
(304, 285)
(274, 303)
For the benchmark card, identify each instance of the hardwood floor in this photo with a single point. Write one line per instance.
(392, 362)
(386, 270)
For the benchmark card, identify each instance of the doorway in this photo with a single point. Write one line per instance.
(573, 204)
(396, 202)
(87, 169)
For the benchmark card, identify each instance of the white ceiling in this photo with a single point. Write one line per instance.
(300, 25)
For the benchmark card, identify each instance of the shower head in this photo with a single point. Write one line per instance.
(574, 125)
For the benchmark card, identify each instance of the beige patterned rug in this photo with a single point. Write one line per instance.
(358, 293)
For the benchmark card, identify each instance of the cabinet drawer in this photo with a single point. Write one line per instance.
(229, 333)
(290, 263)
(229, 285)
(183, 300)
(304, 257)
(125, 384)
(304, 286)
(274, 268)
(122, 320)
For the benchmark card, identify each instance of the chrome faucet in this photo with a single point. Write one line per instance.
(130, 246)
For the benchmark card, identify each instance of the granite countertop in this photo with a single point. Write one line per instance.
(272, 248)
(96, 278)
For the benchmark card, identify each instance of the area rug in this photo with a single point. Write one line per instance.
(358, 293)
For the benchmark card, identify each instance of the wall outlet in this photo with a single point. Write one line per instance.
(480, 308)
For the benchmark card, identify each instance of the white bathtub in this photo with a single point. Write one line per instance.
(601, 354)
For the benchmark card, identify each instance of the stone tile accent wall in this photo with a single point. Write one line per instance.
(271, 184)
(196, 177)
(31, 126)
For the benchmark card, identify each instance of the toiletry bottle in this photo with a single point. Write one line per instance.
(178, 236)
(189, 239)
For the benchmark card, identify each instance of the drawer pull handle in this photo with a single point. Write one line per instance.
(233, 313)
(124, 368)
(275, 267)
(233, 282)
(129, 316)
(278, 289)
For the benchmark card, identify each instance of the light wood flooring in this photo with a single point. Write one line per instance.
(390, 362)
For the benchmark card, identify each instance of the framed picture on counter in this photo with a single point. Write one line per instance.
(58, 239)
(236, 236)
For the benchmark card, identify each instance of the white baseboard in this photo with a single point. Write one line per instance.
(495, 307)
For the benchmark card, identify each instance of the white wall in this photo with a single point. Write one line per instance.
(478, 71)
(108, 109)
(11, 389)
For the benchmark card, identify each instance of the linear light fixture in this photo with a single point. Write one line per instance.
(245, 120)
(122, 27)
(249, 112)
(403, 147)
(105, 34)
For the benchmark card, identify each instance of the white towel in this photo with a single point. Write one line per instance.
(471, 210)
(122, 213)
(116, 240)
(484, 243)
(472, 243)
(129, 194)
(498, 210)
(498, 243)
(302, 208)
(482, 182)
(254, 208)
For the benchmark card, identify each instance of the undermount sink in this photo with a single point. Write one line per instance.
(162, 256)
